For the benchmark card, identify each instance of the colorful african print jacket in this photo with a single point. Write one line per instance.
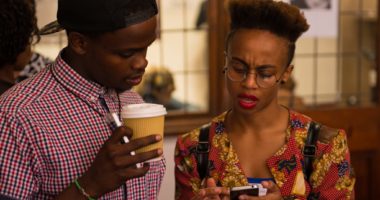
(332, 176)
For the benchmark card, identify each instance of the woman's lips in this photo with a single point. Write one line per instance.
(247, 101)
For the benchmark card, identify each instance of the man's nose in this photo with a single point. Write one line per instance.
(140, 62)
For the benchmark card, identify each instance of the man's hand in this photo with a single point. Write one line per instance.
(114, 163)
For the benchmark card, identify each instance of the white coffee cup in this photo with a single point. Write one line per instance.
(145, 119)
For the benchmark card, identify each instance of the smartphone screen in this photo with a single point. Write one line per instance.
(235, 192)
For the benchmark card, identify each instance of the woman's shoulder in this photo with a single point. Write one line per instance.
(300, 124)
(192, 137)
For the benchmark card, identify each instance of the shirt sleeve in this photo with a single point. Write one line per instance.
(187, 180)
(333, 176)
(16, 161)
(148, 186)
(155, 176)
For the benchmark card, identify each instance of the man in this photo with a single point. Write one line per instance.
(54, 141)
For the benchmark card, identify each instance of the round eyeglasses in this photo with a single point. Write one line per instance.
(263, 79)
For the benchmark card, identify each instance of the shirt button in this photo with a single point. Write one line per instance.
(93, 99)
(102, 91)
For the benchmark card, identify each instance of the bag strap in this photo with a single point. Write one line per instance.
(310, 149)
(202, 151)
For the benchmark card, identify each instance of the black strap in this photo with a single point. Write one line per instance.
(310, 149)
(202, 150)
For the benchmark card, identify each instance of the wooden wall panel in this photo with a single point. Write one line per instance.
(363, 129)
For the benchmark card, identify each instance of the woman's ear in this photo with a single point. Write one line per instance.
(77, 42)
(287, 73)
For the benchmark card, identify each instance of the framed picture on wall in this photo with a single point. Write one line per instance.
(322, 16)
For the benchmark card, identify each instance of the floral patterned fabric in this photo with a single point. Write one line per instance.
(332, 176)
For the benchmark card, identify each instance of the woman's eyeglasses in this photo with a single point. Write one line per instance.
(264, 79)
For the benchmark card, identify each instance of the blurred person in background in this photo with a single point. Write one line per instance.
(158, 86)
(37, 61)
(19, 25)
(17, 30)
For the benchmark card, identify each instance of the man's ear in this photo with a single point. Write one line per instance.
(78, 42)
(287, 73)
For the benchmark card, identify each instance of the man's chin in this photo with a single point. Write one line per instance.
(123, 89)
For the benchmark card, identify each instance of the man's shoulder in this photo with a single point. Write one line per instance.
(26, 93)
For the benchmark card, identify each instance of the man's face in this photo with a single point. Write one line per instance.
(118, 59)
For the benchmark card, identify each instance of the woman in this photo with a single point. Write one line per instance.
(258, 140)
(17, 27)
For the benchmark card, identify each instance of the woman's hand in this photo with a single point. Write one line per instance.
(273, 192)
(211, 191)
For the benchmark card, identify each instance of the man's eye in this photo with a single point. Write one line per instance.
(126, 54)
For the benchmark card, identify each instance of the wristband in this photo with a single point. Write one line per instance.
(82, 190)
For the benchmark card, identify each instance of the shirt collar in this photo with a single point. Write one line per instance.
(75, 83)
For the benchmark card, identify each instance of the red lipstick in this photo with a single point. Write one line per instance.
(247, 101)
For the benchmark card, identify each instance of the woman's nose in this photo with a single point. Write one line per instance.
(250, 80)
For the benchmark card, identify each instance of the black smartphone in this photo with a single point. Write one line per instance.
(250, 190)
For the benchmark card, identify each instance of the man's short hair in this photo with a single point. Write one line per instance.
(99, 16)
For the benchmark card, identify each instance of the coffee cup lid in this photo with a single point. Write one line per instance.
(143, 110)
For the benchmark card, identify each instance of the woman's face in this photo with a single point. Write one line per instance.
(23, 59)
(260, 52)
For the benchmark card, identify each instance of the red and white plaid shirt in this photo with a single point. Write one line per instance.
(51, 128)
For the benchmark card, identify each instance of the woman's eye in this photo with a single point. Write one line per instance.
(265, 74)
(239, 69)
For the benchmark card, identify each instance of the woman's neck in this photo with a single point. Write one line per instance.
(7, 74)
(272, 119)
